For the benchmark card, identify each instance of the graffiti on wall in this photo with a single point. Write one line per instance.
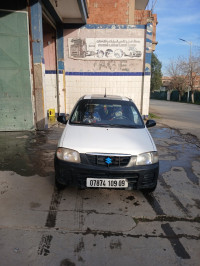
(106, 48)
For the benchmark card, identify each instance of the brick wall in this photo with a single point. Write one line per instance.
(142, 17)
(108, 12)
(120, 12)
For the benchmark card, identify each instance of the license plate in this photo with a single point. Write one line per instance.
(107, 183)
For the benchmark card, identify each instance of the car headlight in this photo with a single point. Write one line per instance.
(147, 158)
(68, 155)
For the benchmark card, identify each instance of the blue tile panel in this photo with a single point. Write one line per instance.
(99, 73)
(60, 48)
(107, 73)
(148, 55)
(36, 28)
(53, 72)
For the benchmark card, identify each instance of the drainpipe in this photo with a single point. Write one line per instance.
(143, 73)
(31, 55)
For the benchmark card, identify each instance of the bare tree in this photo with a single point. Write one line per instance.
(178, 80)
(191, 70)
(178, 83)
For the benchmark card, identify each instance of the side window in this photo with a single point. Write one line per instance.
(78, 114)
(136, 117)
(75, 116)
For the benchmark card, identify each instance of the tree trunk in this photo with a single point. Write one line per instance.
(188, 95)
(192, 96)
(168, 95)
(179, 97)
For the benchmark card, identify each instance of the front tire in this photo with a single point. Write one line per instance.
(58, 185)
(149, 190)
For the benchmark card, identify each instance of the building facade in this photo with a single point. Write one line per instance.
(53, 52)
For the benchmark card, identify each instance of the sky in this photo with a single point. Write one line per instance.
(176, 19)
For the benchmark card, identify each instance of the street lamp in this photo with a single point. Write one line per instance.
(190, 58)
(190, 43)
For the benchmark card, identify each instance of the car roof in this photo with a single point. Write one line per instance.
(108, 97)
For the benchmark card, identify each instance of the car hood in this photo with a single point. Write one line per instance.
(87, 139)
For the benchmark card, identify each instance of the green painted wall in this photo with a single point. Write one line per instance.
(15, 86)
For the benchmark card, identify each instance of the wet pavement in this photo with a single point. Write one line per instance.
(40, 225)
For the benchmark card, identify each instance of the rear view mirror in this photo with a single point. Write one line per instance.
(62, 119)
(150, 123)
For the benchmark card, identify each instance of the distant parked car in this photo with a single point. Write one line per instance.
(106, 144)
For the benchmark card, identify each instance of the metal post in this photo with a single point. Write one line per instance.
(190, 65)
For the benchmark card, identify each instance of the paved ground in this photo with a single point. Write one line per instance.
(182, 116)
(40, 225)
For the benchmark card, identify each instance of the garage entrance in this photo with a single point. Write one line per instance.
(15, 86)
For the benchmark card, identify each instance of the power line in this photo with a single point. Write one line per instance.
(153, 5)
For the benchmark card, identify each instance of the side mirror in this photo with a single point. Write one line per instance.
(62, 119)
(150, 123)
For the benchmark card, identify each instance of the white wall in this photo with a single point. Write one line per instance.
(120, 76)
(50, 92)
(77, 86)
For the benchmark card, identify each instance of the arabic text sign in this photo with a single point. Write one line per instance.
(106, 48)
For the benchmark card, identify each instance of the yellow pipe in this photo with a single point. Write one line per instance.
(64, 89)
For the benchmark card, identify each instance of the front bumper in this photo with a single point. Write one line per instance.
(139, 177)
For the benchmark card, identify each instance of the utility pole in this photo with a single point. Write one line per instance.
(190, 66)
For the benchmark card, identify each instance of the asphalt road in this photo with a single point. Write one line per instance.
(182, 116)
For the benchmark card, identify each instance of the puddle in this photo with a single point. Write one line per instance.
(29, 153)
(183, 148)
(162, 133)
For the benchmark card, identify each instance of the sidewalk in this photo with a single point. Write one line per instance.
(182, 116)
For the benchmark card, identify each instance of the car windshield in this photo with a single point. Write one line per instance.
(107, 113)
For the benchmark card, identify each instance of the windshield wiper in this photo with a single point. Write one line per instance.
(100, 125)
(122, 126)
(89, 124)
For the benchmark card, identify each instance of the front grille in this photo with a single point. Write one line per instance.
(108, 161)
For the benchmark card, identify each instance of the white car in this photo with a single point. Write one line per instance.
(106, 144)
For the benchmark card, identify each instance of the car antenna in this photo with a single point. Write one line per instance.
(105, 93)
